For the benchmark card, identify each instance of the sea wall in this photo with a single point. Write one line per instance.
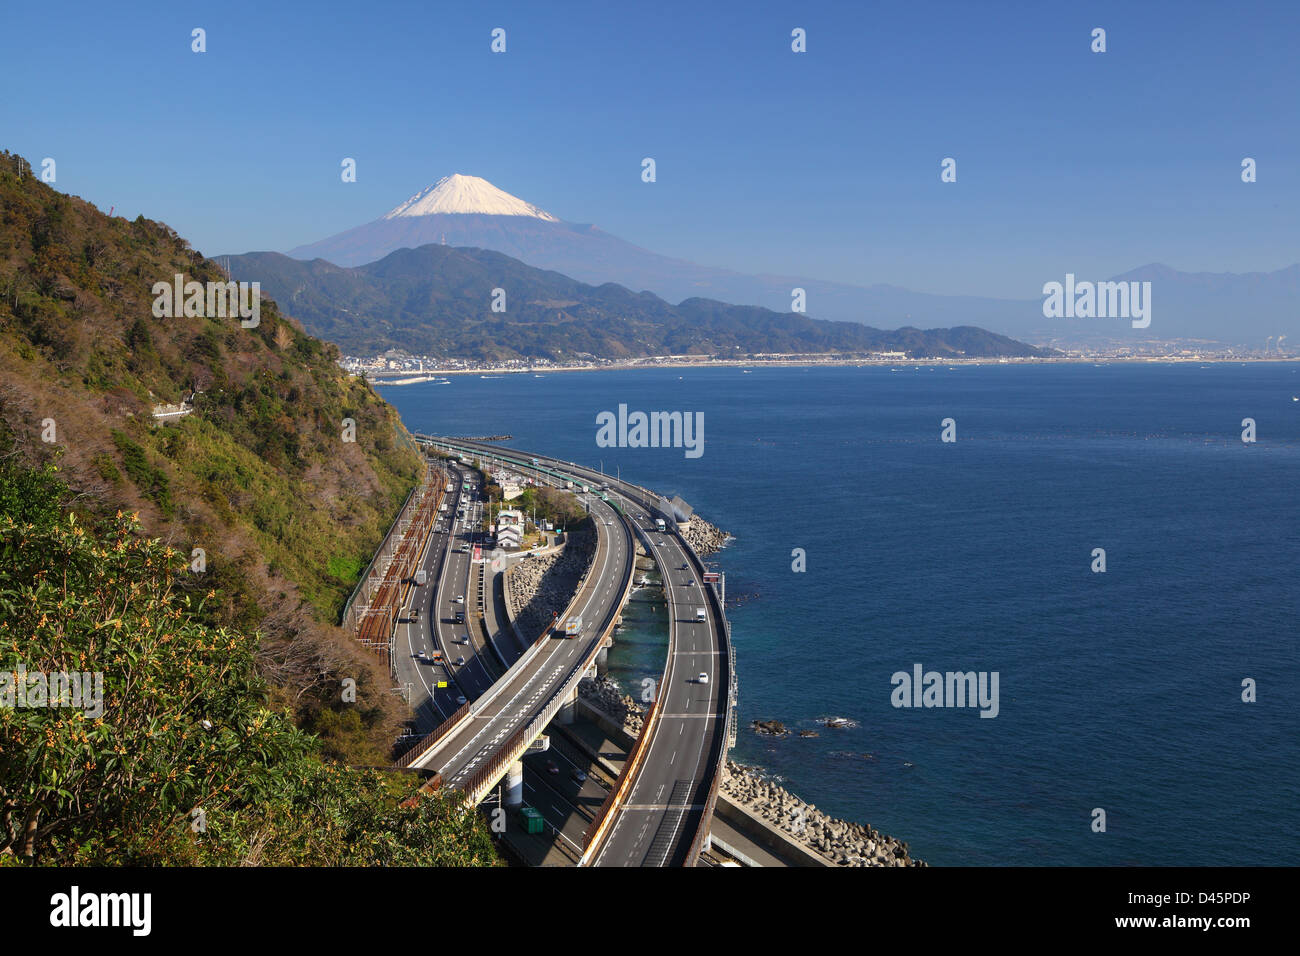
(542, 587)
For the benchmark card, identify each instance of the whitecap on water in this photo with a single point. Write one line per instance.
(837, 722)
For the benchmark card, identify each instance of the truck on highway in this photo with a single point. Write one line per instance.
(660, 526)
(573, 626)
(701, 614)
(421, 576)
(450, 488)
(568, 485)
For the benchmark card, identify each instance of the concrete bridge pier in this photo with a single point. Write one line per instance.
(602, 661)
(514, 793)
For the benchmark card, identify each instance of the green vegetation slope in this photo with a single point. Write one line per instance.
(178, 760)
(258, 477)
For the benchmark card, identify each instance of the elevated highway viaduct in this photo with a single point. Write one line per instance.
(476, 745)
(659, 811)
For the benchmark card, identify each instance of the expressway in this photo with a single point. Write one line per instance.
(670, 792)
(468, 754)
(663, 812)
(429, 624)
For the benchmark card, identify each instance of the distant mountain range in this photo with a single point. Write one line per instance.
(1244, 309)
(437, 300)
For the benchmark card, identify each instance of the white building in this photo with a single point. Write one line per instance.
(510, 529)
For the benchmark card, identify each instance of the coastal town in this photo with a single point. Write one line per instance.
(397, 367)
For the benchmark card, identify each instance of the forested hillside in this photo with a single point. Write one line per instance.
(438, 300)
(272, 512)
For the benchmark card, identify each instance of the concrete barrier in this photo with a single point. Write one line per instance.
(766, 835)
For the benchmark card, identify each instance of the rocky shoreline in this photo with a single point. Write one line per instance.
(705, 538)
(842, 842)
(543, 586)
(606, 696)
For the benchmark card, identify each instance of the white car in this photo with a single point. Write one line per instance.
(703, 678)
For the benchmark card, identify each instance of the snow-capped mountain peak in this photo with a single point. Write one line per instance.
(467, 194)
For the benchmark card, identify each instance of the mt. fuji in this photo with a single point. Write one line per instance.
(471, 212)
(468, 211)
(459, 195)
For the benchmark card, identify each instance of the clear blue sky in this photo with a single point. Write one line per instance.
(822, 164)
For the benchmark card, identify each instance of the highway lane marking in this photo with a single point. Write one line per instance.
(558, 830)
(510, 724)
(688, 716)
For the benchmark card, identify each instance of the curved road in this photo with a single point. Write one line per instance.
(667, 803)
(533, 682)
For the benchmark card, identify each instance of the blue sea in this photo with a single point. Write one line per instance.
(1119, 691)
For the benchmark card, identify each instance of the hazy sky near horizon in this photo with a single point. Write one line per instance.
(822, 164)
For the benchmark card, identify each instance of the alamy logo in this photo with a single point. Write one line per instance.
(653, 430)
(134, 910)
(213, 300)
(1098, 300)
(78, 690)
(953, 689)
